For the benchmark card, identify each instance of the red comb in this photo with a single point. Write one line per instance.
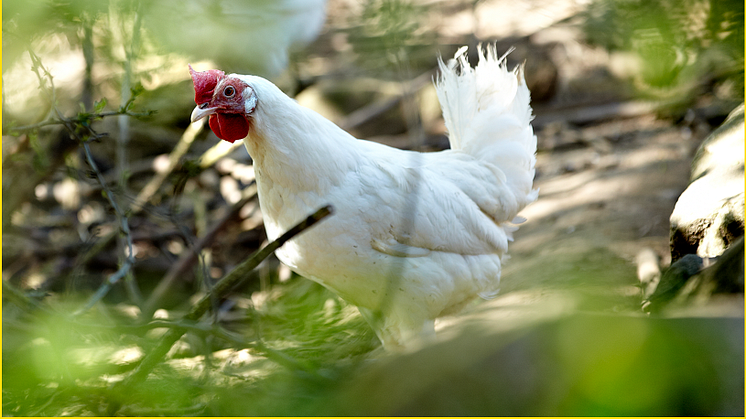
(204, 83)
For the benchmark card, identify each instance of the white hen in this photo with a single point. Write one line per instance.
(414, 235)
(253, 35)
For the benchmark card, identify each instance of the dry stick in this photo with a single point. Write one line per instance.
(275, 355)
(70, 125)
(187, 260)
(122, 158)
(22, 300)
(147, 192)
(129, 259)
(181, 148)
(179, 151)
(58, 120)
(229, 281)
(217, 152)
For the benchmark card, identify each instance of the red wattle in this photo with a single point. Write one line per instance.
(229, 127)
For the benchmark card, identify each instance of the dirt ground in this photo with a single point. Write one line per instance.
(609, 171)
(602, 199)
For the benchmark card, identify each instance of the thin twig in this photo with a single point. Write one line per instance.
(21, 299)
(188, 259)
(229, 281)
(273, 354)
(130, 285)
(129, 259)
(126, 95)
(178, 152)
(46, 82)
(61, 120)
(216, 152)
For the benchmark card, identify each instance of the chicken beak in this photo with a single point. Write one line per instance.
(199, 113)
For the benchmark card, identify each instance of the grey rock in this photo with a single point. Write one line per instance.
(673, 281)
(709, 215)
(692, 281)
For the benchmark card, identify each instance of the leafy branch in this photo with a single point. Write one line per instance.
(79, 128)
(83, 118)
(86, 118)
(191, 321)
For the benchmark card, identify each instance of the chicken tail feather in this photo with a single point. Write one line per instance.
(487, 113)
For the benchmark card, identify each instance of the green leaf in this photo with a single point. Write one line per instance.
(137, 90)
(99, 105)
(84, 118)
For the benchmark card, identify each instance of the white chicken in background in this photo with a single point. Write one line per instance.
(414, 235)
(245, 35)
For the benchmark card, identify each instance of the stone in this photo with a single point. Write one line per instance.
(709, 214)
(672, 282)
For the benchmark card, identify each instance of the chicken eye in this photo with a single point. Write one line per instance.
(229, 91)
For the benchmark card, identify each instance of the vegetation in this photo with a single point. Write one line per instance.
(686, 49)
(130, 277)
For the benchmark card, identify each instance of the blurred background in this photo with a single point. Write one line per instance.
(106, 182)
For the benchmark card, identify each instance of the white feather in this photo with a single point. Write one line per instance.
(414, 235)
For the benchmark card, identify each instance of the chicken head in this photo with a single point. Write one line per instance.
(227, 101)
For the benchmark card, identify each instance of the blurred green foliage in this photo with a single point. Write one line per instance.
(26, 21)
(682, 44)
(54, 365)
(390, 37)
(577, 365)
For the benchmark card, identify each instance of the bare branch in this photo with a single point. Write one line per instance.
(129, 259)
(46, 83)
(189, 258)
(179, 151)
(221, 288)
(22, 300)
